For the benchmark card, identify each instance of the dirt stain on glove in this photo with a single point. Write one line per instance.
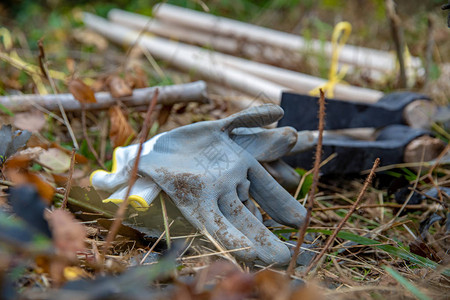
(186, 185)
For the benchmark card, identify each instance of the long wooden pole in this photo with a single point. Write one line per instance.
(256, 79)
(359, 56)
(189, 92)
(295, 81)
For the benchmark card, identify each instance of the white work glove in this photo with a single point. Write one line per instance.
(209, 169)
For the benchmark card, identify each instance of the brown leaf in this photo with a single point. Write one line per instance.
(45, 189)
(120, 132)
(16, 170)
(118, 87)
(68, 234)
(307, 291)
(32, 121)
(271, 285)
(81, 92)
(17, 162)
(56, 160)
(237, 285)
(136, 79)
(164, 114)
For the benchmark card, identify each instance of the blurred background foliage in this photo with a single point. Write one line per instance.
(55, 21)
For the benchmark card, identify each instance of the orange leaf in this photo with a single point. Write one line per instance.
(121, 132)
(81, 92)
(68, 234)
(16, 170)
(45, 189)
(118, 87)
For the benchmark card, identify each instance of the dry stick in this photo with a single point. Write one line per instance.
(165, 220)
(170, 94)
(133, 176)
(390, 205)
(397, 35)
(154, 244)
(44, 69)
(430, 172)
(446, 205)
(302, 231)
(302, 181)
(429, 48)
(86, 136)
(347, 216)
(69, 180)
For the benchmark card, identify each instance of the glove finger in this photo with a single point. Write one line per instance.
(265, 144)
(274, 199)
(243, 195)
(110, 181)
(142, 194)
(250, 205)
(210, 218)
(306, 140)
(268, 247)
(253, 117)
(283, 173)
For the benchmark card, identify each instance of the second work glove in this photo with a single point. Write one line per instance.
(208, 176)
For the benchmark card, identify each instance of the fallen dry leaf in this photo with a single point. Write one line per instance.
(235, 286)
(79, 158)
(55, 159)
(136, 78)
(164, 114)
(32, 121)
(120, 132)
(308, 291)
(118, 88)
(16, 170)
(81, 91)
(68, 234)
(271, 285)
(45, 189)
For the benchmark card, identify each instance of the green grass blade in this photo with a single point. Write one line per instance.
(406, 284)
(6, 110)
(395, 251)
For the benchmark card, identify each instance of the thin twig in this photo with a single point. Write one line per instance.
(165, 220)
(69, 180)
(429, 48)
(302, 231)
(302, 181)
(438, 159)
(133, 176)
(347, 216)
(390, 205)
(397, 35)
(86, 136)
(154, 244)
(416, 182)
(446, 205)
(44, 69)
